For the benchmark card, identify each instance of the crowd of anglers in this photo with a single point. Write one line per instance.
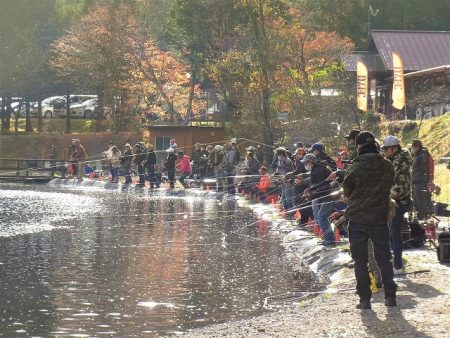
(375, 182)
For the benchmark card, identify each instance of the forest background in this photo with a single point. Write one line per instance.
(158, 58)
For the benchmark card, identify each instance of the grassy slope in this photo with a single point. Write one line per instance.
(435, 135)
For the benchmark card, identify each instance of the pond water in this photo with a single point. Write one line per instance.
(98, 262)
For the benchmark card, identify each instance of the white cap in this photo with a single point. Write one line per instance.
(170, 150)
(390, 141)
(218, 147)
(233, 140)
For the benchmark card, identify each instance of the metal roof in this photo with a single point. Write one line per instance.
(370, 59)
(419, 49)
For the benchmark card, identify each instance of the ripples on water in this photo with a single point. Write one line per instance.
(110, 263)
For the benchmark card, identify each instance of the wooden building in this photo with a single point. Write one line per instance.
(426, 58)
(185, 136)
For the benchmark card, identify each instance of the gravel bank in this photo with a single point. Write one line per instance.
(423, 309)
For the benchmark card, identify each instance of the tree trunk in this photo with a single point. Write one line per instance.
(100, 111)
(7, 123)
(261, 38)
(3, 111)
(28, 126)
(191, 90)
(68, 127)
(16, 119)
(40, 115)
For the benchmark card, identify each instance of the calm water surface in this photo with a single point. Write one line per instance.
(98, 262)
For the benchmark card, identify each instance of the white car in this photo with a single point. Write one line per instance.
(87, 109)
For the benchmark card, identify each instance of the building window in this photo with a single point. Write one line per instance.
(162, 142)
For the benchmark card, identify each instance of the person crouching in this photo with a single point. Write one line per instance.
(184, 166)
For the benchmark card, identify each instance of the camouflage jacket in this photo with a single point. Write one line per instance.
(401, 189)
(367, 184)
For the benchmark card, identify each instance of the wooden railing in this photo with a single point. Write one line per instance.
(30, 168)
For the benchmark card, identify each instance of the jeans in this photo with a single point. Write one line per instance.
(359, 234)
(321, 211)
(287, 195)
(395, 227)
(114, 174)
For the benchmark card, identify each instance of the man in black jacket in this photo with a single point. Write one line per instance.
(421, 179)
(170, 166)
(367, 186)
(151, 162)
(140, 157)
(319, 192)
(318, 150)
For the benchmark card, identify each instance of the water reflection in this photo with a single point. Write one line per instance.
(131, 263)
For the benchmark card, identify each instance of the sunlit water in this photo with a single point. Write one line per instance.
(97, 262)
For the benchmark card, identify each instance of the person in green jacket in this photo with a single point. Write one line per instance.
(367, 185)
(400, 192)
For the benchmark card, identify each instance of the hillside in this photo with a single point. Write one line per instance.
(435, 135)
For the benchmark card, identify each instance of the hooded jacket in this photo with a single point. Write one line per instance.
(401, 190)
(367, 185)
(185, 165)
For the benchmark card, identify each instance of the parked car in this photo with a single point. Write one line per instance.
(56, 105)
(87, 109)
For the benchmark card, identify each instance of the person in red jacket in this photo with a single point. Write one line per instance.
(184, 166)
(265, 183)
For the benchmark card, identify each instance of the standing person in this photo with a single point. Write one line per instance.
(236, 149)
(216, 158)
(70, 152)
(400, 193)
(79, 158)
(169, 164)
(229, 166)
(351, 144)
(151, 162)
(107, 155)
(367, 186)
(203, 161)
(196, 158)
(284, 166)
(140, 160)
(251, 171)
(125, 162)
(173, 145)
(115, 164)
(184, 166)
(422, 176)
(318, 150)
(319, 193)
(260, 154)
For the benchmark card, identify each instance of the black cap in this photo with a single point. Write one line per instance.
(352, 134)
(365, 137)
(416, 143)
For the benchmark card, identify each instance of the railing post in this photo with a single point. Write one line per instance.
(18, 168)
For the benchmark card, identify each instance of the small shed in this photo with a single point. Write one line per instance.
(185, 136)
